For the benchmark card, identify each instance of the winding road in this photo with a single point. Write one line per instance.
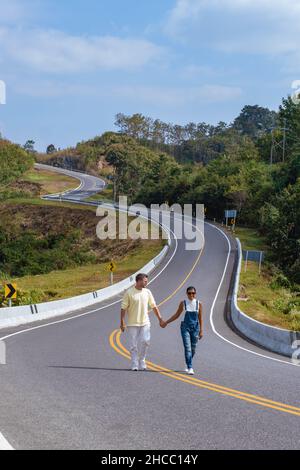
(67, 383)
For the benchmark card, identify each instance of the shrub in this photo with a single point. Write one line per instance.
(280, 281)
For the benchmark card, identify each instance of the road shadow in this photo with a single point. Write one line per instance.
(114, 369)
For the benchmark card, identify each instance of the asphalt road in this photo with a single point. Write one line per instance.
(89, 185)
(67, 385)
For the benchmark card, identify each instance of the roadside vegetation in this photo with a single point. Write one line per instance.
(48, 182)
(50, 248)
(251, 165)
(227, 166)
(59, 284)
(268, 297)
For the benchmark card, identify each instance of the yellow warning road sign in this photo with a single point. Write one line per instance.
(10, 291)
(112, 267)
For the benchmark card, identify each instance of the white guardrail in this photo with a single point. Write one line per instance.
(15, 316)
(278, 340)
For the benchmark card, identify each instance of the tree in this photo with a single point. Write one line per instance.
(255, 120)
(280, 221)
(14, 161)
(29, 146)
(137, 125)
(289, 117)
(50, 149)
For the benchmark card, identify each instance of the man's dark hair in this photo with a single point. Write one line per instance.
(140, 276)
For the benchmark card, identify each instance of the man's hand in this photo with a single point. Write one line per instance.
(200, 335)
(162, 323)
(122, 328)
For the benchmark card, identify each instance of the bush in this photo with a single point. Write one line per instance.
(280, 281)
(24, 253)
(14, 161)
(288, 306)
(24, 297)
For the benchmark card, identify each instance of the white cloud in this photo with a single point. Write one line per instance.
(179, 96)
(156, 95)
(252, 26)
(11, 11)
(54, 89)
(197, 71)
(57, 52)
(16, 11)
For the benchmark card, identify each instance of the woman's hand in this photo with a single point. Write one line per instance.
(200, 335)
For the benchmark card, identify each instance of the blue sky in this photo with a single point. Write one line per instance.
(71, 65)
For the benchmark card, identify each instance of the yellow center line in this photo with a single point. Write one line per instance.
(119, 348)
(265, 402)
(186, 277)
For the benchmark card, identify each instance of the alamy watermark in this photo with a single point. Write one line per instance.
(2, 353)
(185, 222)
(296, 353)
(2, 92)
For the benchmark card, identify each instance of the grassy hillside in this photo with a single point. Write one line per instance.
(267, 297)
(14, 161)
(51, 249)
(49, 182)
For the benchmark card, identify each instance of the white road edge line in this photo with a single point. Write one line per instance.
(90, 311)
(213, 306)
(4, 444)
(68, 190)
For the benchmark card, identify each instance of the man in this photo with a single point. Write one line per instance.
(136, 302)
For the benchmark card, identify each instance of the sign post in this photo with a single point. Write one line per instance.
(246, 260)
(253, 255)
(112, 268)
(10, 292)
(260, 260)
(231, 214)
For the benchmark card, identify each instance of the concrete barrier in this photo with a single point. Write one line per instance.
(15, 316)
(278, 340)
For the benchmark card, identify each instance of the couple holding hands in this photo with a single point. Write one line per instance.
(136, 302)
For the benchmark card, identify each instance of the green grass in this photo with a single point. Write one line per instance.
(105, 196)
(251, 239)
(264, 303)
(88, 278)
(42, 202)
(260, 300)
(71, 282)
(50, 181)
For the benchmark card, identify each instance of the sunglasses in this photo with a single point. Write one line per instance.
(191, 293)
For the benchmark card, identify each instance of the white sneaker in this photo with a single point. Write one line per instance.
(191, 371)
(134, 368)
(186, 370)
(142, 365)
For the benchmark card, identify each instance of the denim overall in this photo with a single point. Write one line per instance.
(190, 333)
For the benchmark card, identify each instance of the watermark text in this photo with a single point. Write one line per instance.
(2, 92)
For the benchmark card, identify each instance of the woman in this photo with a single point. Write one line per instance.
(191, 326)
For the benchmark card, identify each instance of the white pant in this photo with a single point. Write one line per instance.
(139, 337)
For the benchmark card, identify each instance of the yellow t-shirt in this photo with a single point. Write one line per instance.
(137, 303)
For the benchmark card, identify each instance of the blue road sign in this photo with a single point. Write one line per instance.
(231, 214)
(253, 255)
